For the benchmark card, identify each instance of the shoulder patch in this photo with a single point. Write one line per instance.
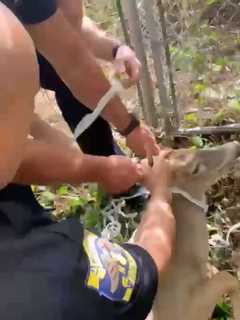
(112, 270)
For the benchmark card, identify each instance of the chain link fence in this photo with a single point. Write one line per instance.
(190, 51)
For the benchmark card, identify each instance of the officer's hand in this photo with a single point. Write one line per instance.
(157, 179)
(142, 142)
(126, 62)
(120, 174)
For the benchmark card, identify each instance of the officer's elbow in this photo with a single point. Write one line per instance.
(6, 176)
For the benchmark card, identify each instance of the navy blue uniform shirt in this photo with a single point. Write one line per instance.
(32, 11)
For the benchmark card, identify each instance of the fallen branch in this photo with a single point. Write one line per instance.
(231, 128)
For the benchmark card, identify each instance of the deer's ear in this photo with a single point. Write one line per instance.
(184, 158)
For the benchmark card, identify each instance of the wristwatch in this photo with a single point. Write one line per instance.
(134, 123)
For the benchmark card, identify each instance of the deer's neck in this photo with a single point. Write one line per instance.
(187, 268)
(192, 236)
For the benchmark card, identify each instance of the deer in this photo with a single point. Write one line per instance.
(185, 291)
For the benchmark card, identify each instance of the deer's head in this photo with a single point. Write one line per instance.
(194, 171)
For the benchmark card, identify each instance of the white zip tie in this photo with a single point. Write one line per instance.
(87, 121)
(199, 203)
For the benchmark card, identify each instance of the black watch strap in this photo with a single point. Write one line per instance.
(115, 50)
(134, 123)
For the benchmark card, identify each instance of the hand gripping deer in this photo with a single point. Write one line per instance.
(185, 291)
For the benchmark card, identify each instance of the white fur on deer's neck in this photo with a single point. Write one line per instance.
(199, 203)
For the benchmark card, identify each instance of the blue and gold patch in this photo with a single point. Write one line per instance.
(112, 270)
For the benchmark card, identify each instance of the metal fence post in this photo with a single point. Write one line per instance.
(136, 38)
(172, 91)
(156, 41)
(128, 41)
(176, 22)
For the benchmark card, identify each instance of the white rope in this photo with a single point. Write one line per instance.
(112, 213)
(112, 226)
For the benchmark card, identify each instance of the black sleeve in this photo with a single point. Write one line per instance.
(35, 11)
(146, 289)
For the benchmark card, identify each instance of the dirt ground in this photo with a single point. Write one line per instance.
(48, 110)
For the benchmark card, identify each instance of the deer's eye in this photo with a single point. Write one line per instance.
(197, 168)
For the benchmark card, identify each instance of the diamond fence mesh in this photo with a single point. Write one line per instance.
(191, 62)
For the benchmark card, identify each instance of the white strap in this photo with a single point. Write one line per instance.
(199, 203)
(88, 120)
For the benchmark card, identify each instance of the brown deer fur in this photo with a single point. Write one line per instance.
(185, 290)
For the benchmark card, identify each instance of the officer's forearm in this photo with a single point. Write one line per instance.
(48, 164)
(84, 72)
(156, 232)
(99, 42)
(77, 66)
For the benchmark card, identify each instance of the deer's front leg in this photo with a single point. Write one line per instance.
(208, 294)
